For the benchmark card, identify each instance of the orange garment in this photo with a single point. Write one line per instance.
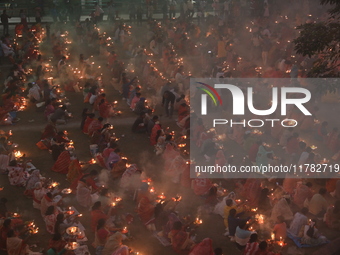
(96, 215)
(62, 163)
(87, 123)
(145, 209)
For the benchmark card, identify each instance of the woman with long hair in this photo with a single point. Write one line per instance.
(101, 235)
(50, 218)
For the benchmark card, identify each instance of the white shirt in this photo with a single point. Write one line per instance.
(7, 50)
(303, 158)
(179, 78)
(34, 92)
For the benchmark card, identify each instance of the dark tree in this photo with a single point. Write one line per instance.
(321, 39)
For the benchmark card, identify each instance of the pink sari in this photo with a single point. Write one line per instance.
(83, 195)
(252, 190)
(176, 168)
(168, 155)
(17, 175)
(202, 186)
(50, 222)
(203, 248)
(302, 193)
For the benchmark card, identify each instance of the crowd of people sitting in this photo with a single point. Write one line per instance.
(259, 216)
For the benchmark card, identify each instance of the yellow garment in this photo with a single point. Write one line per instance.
(227, 210)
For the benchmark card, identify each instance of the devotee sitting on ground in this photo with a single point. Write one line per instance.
(97, 214)
(318, 204)
(89, 119)
(280, 228)
(56, 243)
(46, 202)
(146, 207)
(229, 206)
(252, 246)
(60, 115)
(50, 130)
(263, 249)
(311, 235)
(233, 222)
(38, 193)
(17, 174)
(63, 162)
(114, 245)
(85, 195)
(332, 216)
(61, 138)
(300, 219)
(62, 224)
(50, 218)
(34, 93)
(242, 235)
(140, 106)
(282, 208)
(32, 180)
(101, 236)
(303, 194)
(15, 245)
(95, 125)
(139, 126)
(180, 240)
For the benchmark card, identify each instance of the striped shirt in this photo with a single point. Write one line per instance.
(251, 248)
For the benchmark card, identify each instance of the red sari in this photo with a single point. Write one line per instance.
(62, 164)
(50, 131)
(94, 126)
(182, 112)
(203, 248)
(87, 123)
(202, 186)
(153, 135)
(74, 170)
(252, 191)
(58, 245)
(104, 110)
(96, 215)
(178, 239)
(145, 209)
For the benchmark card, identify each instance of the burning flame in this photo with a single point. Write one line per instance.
(18, 154)
(198, 221)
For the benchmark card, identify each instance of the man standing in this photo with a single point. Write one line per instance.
(61, 64)
(4, 20)
(172, 9)
(266, 45)
(168, 102)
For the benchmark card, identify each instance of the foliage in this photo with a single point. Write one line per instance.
(322, 40)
